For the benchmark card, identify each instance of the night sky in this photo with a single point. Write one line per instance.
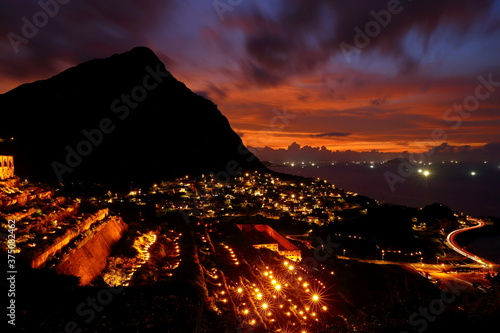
(293, 71)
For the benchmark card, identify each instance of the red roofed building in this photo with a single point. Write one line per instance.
(263, 236)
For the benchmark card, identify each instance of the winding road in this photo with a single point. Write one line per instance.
(452, 243)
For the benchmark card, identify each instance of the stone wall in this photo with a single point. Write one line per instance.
(89, 259)
(21, 199)
(60, 242)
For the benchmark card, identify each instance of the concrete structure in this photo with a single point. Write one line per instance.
(6, 167)
(263, 236)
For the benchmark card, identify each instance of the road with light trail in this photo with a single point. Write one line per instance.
(452, 243)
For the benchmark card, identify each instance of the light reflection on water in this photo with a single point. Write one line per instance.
(454, 185)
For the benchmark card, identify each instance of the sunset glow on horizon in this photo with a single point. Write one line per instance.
(279, 73)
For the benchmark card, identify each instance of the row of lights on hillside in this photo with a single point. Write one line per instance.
(234, 259)
(143, 256)
(277, 288)
(177, 255)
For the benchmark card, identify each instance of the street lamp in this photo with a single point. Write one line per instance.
(343, 252)
(421, 258)
(437, 260)
(383, 252)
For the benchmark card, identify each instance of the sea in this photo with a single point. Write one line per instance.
(487, 247)
(471, 188)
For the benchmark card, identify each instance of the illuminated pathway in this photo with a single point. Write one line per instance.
(282, 296)
(142, 245)
(451, 242)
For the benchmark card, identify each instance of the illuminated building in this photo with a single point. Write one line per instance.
(263, 236)
(6, 167)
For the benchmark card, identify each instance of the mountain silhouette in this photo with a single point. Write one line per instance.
(118, 120)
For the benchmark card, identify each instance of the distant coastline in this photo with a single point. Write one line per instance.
(450, 184)
(416, 191)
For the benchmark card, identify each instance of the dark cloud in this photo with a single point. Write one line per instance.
(296, 152)
(202, 93)
(378, 101)
(261, 75)
(465, 153)
(304, 35)
(304, 97)
(217, 91)
(295, 37)
(331, 134)
(270, 51)
(80, 31)
(489, 151)
(213, 92)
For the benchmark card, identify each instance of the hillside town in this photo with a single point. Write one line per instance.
(262, 253)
